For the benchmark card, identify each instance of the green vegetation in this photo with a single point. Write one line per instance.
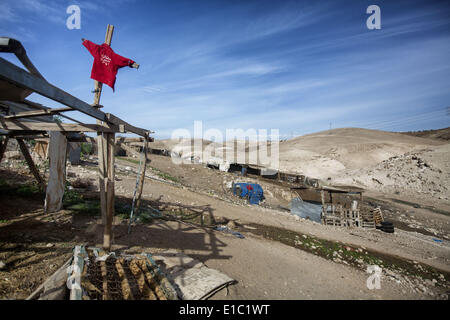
(128, 159)
(75, 202)
(357, 257)
(165, 176)
(24, 190)
(86, 149)
(159, 173)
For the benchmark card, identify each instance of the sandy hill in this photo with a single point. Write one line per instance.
(323, 154)
(418, 173)
(329, 153)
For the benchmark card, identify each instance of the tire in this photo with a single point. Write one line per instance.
(388, 230)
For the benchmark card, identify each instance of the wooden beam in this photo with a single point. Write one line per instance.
(101, 139)
(28, 133)
(27, 114)
(107, 235)
(30, 163)
(128, 127)
(98, 85)
(128, 149)
(10, 124)
(142, 177)
(56, 180)
(101, 154)
(18, 76)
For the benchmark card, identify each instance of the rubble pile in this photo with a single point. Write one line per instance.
(413, 173)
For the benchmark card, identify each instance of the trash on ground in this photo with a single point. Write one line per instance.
(228, 230)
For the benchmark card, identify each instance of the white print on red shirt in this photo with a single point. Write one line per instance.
(105, 59)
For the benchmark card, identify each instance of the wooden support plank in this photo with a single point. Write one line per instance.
(10, 124)
(111, 148)
(107, 236)
(144, 289)
(30, 163)
(101, 139)
(18, 76)
(3, 146)
(128, 149)
(101, 145)
(126, 289)
(128, 127)
(142, 177)
(56, 181)
(28, 114)
(104, 271)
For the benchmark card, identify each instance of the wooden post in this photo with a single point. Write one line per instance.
(101, 174)
(110, 172)
(56, 180)
(142, 177)
(98, 85)
(30, 163)
(101, 141)
(3, 147)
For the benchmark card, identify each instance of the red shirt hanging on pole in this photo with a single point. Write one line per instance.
(106, 63)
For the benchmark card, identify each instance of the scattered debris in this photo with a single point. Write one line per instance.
(228, 230)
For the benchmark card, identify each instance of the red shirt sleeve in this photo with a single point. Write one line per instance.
(122, 61)
(92, 47)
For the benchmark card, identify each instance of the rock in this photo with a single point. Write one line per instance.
(49, 245)
(2, 265)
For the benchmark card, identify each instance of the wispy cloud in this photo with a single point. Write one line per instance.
(295, 66)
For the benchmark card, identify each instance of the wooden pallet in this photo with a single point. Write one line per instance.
(331, 221)
(368, 220)
(378, 215)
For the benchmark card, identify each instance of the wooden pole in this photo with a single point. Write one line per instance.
(56, 180)
(142, 177)
(30, 163)
(110, 172)
(3, 147)
(101, 141)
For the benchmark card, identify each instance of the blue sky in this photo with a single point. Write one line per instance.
(296, 66)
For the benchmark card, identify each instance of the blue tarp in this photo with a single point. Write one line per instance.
(306, 210)
(252, 191)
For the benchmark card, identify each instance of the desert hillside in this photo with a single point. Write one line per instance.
(329, 153)
(441, 134)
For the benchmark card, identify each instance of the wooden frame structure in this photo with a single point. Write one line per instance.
(37, 121)
(336, 212)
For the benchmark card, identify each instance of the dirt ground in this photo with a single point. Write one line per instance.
(280, 256)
